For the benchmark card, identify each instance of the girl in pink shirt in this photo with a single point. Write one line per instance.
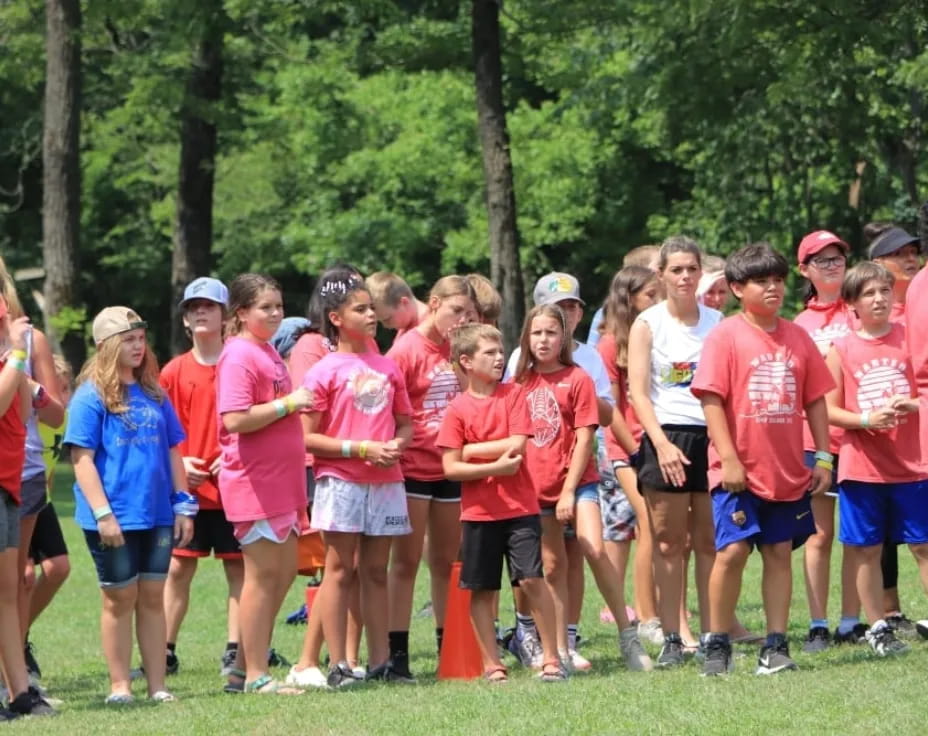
(559, 456)
(434, 502)
(261, 480)
(822, 258)
(357, 429)
(883, 477)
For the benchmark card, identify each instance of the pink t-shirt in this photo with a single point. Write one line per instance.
(559, 403)
(765, 380)
(608, 351)
(472, 419)
(262, 472)
(432, 384)
(873, 371)
(916, 304)
(309, 350)
(825, 323)
(359, 395)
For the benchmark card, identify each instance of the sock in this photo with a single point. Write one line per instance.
(818, 623)
(847, 624)
(775, 638)
(231, 646)
(523, 624)
(171, 647)
(572, 630)
(399, 644)
(439, 636)
(878, 625)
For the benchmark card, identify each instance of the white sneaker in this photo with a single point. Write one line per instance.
(650, 631)
(922, 628)
(575, 662)
(636, 658)
(163, 696)
(359, 672)
(308, 677)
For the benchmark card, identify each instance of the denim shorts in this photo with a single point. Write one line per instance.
(588, 493)
(145, 555)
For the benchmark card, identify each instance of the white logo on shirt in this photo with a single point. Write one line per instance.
(443, 387)
(878, 380)
(772, 389)
(824, 336)
(546, 416)
(370, 389)
(140, 416)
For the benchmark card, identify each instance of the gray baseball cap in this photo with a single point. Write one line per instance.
(556, 287)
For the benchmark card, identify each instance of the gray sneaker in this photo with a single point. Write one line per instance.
(903, 626)
(718, 659)
(526, 648)
(818, 640)
(672, 652)
(650, 631)
(775, 658)
(636, 658)
(883, 641)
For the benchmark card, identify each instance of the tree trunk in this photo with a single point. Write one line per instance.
(61, 175)
(193, 232)
(505, 268)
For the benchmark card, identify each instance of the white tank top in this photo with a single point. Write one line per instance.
(675, 352)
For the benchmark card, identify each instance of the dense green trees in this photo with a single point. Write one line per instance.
(348, 130)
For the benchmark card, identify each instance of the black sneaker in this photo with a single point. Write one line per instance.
(341, 676)
(7, 715)
(671, 653)
(857, 635)
(30, 703)
(172, 663)
(398, 671)
(378, 674)
(32, 666)
(884, 643)
(275, 659)
(903, 626)
(227, 662)
(718, 659)
(818, 640)
(775, 658)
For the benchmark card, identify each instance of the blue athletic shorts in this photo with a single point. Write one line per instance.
(873, 513)
(744, 516)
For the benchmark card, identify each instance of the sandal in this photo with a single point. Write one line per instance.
(235, 685)
(497, 675)
(552, 671)
(267, 685)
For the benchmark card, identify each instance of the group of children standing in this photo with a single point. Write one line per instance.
(664, 431)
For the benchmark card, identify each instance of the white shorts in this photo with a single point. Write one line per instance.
(374, 509)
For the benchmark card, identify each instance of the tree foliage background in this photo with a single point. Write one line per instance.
(347, 131)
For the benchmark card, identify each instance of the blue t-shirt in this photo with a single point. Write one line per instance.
(131, 453)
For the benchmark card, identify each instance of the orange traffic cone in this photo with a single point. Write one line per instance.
(460, 654)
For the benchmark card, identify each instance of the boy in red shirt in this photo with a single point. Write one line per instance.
(758, 374)
(190, 382)
(483, 436)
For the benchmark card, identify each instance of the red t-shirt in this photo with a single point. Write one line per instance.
(432, 384)
(608, 351)
(471, 419)
(191, 387)
(559, 403)
(12, 447)
(874, 371)
(916, 304)
(765, 380)
(825, 323)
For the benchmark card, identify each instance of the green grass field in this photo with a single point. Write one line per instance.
(842, 691)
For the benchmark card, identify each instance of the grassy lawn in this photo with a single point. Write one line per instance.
(841, 691)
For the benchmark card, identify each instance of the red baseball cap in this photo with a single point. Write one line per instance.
(818, 241)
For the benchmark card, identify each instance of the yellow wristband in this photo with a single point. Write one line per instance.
(362, 450)
(291, 403)
(21, 354)
(824, 464)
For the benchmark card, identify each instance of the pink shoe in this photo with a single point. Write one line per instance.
(605, 615)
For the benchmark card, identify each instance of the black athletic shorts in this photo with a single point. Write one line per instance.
(444, 491)
(486, 543)
(694, 441)
(212, 532)
(47, 539)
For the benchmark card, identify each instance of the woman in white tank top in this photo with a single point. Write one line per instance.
(664, 347)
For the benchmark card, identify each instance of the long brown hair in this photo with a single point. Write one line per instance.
(619, 311)
(526, 361)
(102, 370)
(244, 292)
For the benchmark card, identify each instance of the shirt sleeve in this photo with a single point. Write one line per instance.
(316, 380)
(238, 384)
(609, 353)
(451, 433)
(85, 419)
(601, 380)
(713, 374)
(305, 354)
(583, 396)
(520, 421)
(175, 431)
(401, 402)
